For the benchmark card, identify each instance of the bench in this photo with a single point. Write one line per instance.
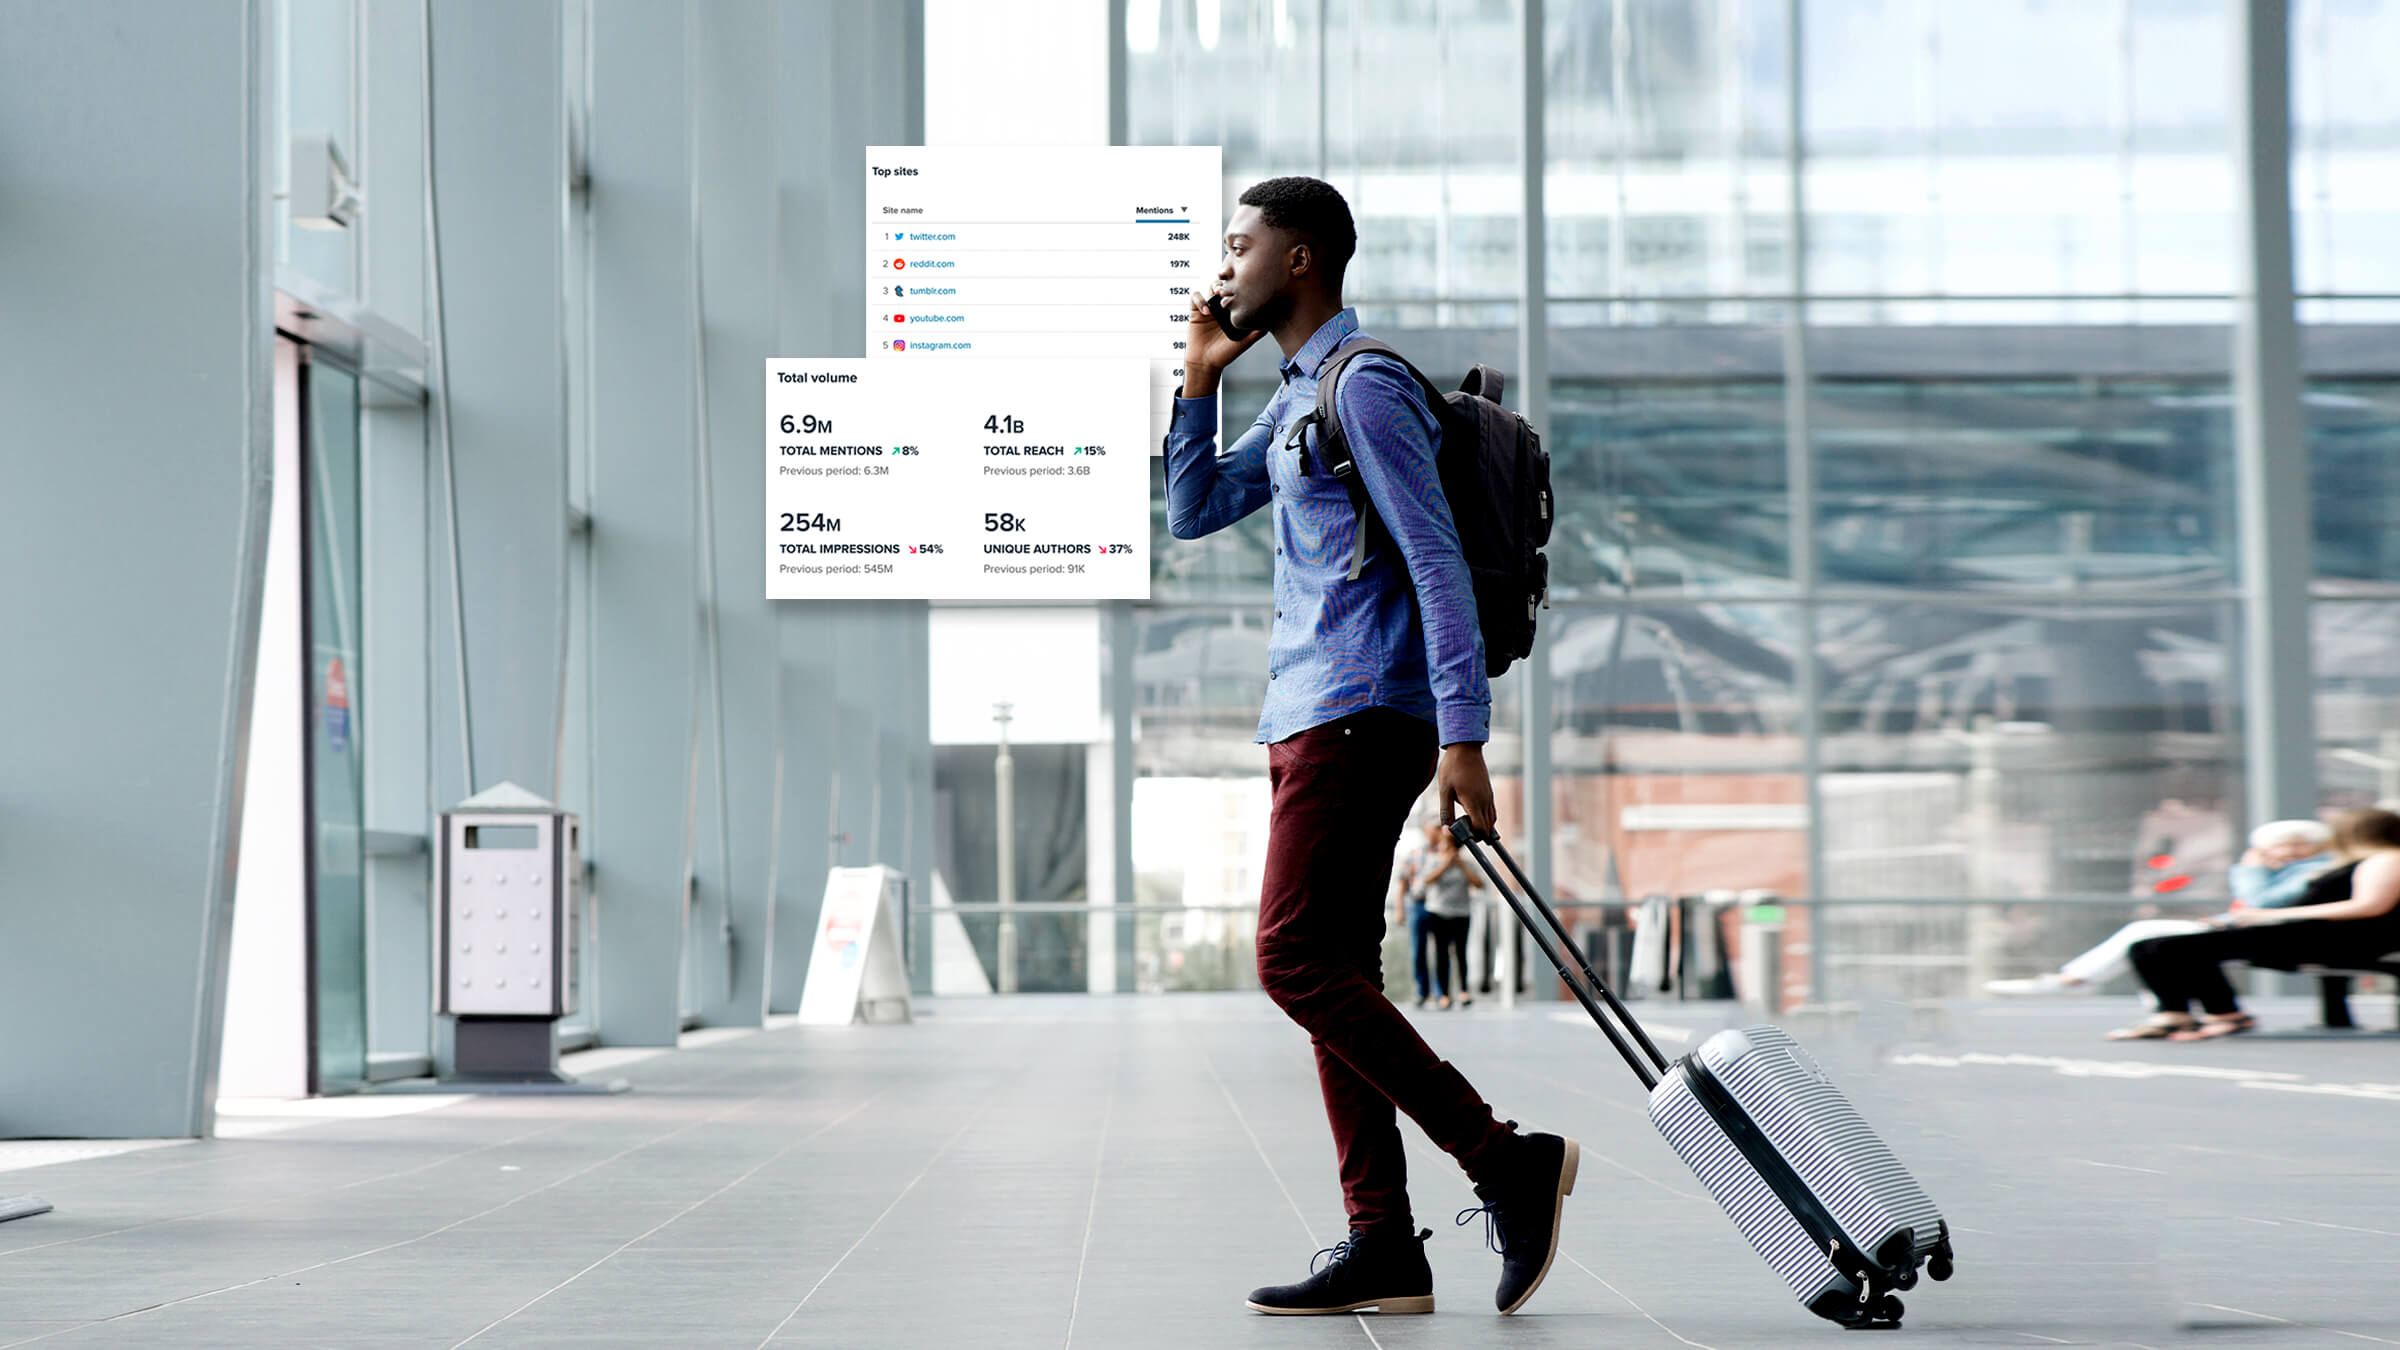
(2333, 986)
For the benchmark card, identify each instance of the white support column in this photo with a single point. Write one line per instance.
(1533, 400)
(1800, 471)
(2270, 439)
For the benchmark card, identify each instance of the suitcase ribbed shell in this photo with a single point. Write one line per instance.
(1845, 1165)
(1748, 1200)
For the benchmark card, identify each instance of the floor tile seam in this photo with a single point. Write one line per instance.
(661, 1225)
(442, 1161)
(1013, 1077)
(1091, 1213)
(392, 1246)
(1645, 1313)
(2294, 1322)
(1458, 1179)
(1209, 1060)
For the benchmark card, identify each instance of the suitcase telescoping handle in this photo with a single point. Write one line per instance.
(1556, 943)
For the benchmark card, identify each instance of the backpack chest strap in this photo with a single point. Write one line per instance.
(1333, 445)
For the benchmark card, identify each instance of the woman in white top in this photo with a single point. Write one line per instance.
(1448, 882)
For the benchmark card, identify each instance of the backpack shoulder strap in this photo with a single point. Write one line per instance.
(1333, 446)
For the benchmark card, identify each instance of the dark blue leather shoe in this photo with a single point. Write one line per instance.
(1383, 1269)
(1521, 1209)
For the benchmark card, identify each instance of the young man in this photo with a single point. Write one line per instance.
(1365, 678)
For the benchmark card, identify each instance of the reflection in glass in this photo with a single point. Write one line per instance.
(1418, 107)
(1957, 484)
(1199, 843)
(2345, 135)
(2358, 701)
(1199, 678)
(2354, 449)
(336, 802)
(2017, 752)
(1676, 751)
(1935, 167)
(1666, 129)
(1052, 858)
(1675, 487)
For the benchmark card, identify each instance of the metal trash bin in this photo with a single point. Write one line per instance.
(508, 868)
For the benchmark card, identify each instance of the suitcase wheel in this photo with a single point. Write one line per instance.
(1939, 1267)
(1881, 1313)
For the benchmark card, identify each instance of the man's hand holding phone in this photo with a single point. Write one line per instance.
(1207, 349)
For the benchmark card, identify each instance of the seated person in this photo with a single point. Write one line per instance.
(2349, 913)
(2283, 856)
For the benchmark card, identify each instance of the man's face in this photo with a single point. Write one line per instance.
(1256, 269)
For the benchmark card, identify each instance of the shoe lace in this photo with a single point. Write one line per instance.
(1495, 1226)
(1339, 1252)
(1495, 1234)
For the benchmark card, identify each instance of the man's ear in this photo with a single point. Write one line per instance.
(1303, 259)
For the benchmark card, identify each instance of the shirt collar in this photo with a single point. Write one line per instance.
(1329, 335)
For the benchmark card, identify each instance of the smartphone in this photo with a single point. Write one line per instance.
(1216, 308)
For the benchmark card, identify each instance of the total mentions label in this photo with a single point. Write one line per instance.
(994, 479)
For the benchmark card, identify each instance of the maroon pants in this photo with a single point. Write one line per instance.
(1342, 794)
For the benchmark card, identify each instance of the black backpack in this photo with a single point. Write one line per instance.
(1494, 473)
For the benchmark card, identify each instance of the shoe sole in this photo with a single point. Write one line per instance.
(1414, 1303)
(1558, 1214)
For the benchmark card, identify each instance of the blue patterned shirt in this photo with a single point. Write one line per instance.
(1403, 635)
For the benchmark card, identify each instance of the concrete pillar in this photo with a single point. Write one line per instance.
(644, 552)
(740, 252)
(2270, 437)
(500, 174)
(138, 184)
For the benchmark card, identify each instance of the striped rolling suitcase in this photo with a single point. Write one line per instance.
(1800, 1172)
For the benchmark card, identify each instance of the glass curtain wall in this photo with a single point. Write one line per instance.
(2004, 374)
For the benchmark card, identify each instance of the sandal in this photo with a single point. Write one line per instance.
(2162, 1027)
(2217, 1028)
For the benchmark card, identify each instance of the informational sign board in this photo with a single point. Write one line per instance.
(957, 480)
(855, 972)
(1061, 251)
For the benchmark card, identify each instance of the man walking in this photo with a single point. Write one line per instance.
(1372, 666)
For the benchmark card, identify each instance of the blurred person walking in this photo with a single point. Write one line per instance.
(1448, 884)
(1410, 909)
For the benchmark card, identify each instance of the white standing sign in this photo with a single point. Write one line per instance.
(855, 971)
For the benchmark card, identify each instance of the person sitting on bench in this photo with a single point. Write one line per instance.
(2349, 914)
(2284, 856)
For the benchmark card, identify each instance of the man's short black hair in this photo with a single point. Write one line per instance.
(1311, 208)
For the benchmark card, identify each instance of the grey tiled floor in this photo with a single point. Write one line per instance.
(1118, 1172)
